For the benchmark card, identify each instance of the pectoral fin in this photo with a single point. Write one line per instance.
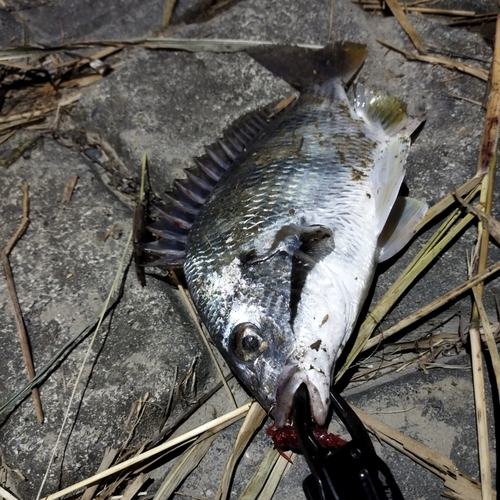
(401, 225)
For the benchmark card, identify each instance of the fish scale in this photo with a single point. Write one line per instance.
(260, 191)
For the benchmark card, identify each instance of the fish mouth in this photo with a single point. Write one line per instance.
(291, 378)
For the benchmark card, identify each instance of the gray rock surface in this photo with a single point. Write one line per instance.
(10, 29)
(168, 105)
(62, 21)
(63, 267)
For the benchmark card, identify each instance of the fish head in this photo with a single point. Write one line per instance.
(273, 341)
(246, 310)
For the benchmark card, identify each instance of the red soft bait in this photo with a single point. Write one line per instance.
(285, 438)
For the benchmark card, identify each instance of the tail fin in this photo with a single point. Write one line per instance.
(302, 67)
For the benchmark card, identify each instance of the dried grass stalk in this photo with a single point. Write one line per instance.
(135, 487)
(167, 12)
(405, 23)
(7, 495)
(257, 482)
(255, 416)
(18, 315)
(426, 10)
(491, 125)
(433, 306)
(218, 423)
(480, 404)
(186, 463)
(279, 470)
(449, 200)
(441, 61)
(489, 336)
(486, 165)
(69, 188)
(107, 460)
(462, 486)
(187, 44)
(490, 223)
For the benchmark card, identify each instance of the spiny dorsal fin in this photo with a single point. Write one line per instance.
(173, 220)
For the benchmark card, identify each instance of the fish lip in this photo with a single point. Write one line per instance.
(291, 378)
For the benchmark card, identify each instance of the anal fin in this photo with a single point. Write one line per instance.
(403, 220)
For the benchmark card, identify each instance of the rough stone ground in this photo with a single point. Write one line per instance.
(168, 105)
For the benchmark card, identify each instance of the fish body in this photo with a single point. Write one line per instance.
(281, 256)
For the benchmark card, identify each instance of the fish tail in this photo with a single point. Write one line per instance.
(303, 67)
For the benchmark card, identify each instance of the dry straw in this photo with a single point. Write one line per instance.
(218, 423)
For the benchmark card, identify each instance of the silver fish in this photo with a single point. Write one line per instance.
(281, 256)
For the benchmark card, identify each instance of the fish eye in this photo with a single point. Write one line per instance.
(246, 342)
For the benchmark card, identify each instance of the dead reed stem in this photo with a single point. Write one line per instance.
(441, 301)
(486, 167)
(7, 495)
(167, 12)
(217, 423)
(488, 335)
(69, 188)
(447, 62)
(480, 404)
(405, 23)
(253, 420)
(18, 315)
(107, 461)
(449, 200)
(464, 487)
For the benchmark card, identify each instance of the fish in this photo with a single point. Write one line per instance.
(280, 250)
